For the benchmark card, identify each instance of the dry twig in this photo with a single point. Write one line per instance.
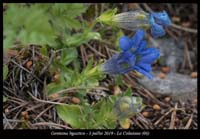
(189, 122)
(173, 117)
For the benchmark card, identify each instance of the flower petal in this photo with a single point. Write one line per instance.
(125, 43)
(131, 60)
(144, 66)
(141, 47)
(115, 65)
(161, 18)
(149, 56)
(143, 72)
(148, 51)
(137, 38)
(157, 31)
(124, 56)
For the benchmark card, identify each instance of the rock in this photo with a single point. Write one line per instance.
(178, 86)
(172, 53)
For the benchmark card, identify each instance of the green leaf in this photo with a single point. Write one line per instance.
(72, 23)
(5, 98)
(5, 71)
(103, 114)
(93, 36)
(75, 9)
(67, 74)
(80, 38)
(128, 92)
(34, 29)
(44, 51)
(71, 114)
(55, 87)
(91, 75)
(68, 55)
(77, 65)
(9, 38)
(107, 16)
(68, 9)
(75, 40)
(63, 15)
(118, 80)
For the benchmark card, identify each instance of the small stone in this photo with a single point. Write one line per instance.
(162, 75)
(176, 19)
(117, 90)
(54, 96)
(156, 107)
(29, 64)
(195, 101)
(75, 100)
(25, 115)
(7, 110)
(193, 74)
(58, 57)
(165, 69)
(167, 99)
(56, 78)
(145, 114)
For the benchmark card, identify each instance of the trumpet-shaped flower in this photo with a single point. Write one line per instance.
(157, 22)
(134, 56)
(138, 19)
(142, 20)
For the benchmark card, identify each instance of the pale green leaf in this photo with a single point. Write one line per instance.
(128, 92)
(71, 114)
(5, 71)
(68, 55)
(72, 23)
(5, 98)
(80, 38)
(54, 88)
(43, 50)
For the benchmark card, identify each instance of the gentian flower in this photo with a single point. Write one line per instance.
(134, 56)
(142, 20)
(157, 22)
(138, 19)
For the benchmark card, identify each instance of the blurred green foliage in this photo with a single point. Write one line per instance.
(45, 24)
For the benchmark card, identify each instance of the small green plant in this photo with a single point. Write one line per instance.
(105, 114)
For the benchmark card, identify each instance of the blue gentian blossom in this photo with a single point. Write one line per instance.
(135, 55)
(157, 22)
(139, 19)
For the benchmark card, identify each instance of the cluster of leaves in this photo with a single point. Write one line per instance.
(89, 77)
(45, 24)
(59, 27)
(103, 115)
(51, 25)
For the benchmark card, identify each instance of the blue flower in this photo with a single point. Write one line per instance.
(157, 22)
(134, 56)
(139, 19)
